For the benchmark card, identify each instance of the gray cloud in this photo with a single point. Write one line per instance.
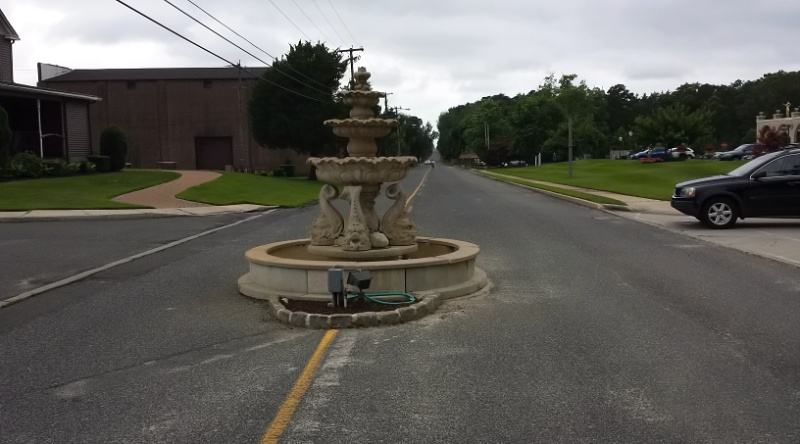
(435, 55)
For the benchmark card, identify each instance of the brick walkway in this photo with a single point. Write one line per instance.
(163, 196)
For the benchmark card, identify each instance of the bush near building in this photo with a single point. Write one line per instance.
(5, 138)
(114, 145)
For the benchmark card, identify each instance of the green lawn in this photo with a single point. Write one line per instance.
(654, 181)
(92, 191)
(240, 188)
(567, 192)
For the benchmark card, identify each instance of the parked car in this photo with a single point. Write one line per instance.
(768, 186)
(681, 153)
(658, 153)
(739, 152)
(518, 163)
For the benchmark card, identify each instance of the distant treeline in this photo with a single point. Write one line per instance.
(700, 115)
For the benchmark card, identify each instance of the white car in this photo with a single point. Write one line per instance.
(688, 153)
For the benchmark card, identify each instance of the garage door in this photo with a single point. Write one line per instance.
(213, 153)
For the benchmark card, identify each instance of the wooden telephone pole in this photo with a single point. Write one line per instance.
(396, 110)
(351, 58)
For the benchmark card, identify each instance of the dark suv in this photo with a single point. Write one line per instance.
(768, 186)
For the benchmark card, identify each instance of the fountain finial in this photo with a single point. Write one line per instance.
(362, 79)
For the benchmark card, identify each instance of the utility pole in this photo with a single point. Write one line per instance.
(386, 102)
(486, 135)
(352, 59)
(397, 110)
(569, 143)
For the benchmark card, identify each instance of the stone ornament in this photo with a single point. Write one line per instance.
(396, 223)
(328, 225)
(356, 233)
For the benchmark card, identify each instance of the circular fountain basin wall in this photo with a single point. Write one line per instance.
(444, 267)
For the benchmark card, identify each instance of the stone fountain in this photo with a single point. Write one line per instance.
(387, 246)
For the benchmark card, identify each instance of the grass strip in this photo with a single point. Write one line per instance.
(632, 178)
(565, 191)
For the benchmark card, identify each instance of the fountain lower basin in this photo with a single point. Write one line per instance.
(443, 267)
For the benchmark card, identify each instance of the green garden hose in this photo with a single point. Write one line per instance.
(374, 297)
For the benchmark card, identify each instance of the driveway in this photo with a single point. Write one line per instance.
(777, 239)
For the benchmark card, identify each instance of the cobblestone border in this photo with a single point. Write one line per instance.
(424, 307)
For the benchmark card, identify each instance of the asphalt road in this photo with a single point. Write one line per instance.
(598, 329)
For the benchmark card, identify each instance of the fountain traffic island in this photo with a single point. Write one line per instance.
(401, 276)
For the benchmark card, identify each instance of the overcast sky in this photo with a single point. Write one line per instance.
(436, 54)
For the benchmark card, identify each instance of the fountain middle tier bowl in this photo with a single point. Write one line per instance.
(361, 170)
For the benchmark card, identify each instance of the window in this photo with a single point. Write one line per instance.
(784, 166)
(131, 84)
(207, 84)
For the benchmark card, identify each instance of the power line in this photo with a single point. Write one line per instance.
(165, 27)
(290, 20)
(311, 79)
(335, 11)
(325, 17)
(242, 49)
(302, 11)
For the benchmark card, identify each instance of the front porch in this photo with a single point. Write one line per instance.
(52, 124)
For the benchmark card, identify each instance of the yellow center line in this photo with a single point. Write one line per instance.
(287, 409)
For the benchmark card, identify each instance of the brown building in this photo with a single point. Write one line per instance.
(188, 118)
(50, 123)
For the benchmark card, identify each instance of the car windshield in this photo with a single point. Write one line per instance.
(749, 167)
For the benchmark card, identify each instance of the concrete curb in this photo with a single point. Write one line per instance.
(424, 307)
(67, 215)
(575, 200)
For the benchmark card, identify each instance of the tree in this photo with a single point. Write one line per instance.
(114, 145)
(675, 124)
(579, 104)
(282, 119)
(451, 132)
(415, 138)
(5, 138)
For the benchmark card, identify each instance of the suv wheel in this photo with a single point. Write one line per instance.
(719, 212)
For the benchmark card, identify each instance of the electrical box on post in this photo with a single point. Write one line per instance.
(336, 287)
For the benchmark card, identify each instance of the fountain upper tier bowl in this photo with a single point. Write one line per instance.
(361, 170)
(366, 99)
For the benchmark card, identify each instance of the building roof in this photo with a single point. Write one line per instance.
(6, 30)
(17, 89)
(94, 75)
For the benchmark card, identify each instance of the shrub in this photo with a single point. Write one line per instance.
(5, 137)
(27, 165)
(102, 164)
(86, 167)
(59, 168)
(114, 145)
(54, 167)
